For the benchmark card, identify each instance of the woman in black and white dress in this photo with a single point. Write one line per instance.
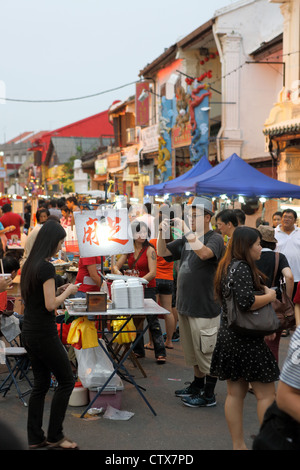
(238, 359)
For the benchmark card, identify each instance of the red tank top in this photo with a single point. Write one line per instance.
(141, 265)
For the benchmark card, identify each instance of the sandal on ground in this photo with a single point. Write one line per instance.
(38, 446)
(285, 333)
(60, 444)
(160, 360)
(148, 346)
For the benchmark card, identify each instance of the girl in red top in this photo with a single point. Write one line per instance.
(144, 260)
(164, 292)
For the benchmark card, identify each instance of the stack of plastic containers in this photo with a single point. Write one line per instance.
(128, 294)
(119, 294)
(135, 293)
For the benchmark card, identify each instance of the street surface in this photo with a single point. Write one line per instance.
(176, 428)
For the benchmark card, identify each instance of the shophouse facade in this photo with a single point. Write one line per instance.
(53, 149)
(216, 60)
(282, 124)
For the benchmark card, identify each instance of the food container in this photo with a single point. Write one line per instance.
(119, 294)
(79, 307)
(79, 395)
(135, 293)
(77, 301)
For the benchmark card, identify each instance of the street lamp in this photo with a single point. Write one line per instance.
(145, 94)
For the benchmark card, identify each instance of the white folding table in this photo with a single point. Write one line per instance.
(150, 308)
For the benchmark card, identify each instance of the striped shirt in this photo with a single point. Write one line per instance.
(290, 373)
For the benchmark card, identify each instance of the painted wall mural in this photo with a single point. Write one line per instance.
(199, 117)
(166, 122)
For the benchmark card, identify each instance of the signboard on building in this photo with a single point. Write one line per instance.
(142, 107)
(114, 160)
(101, 167)
(150, 137)
(181, 137)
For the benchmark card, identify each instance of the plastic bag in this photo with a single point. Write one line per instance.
(128, 333)
(10, 327)
(95, 367)
(71, 241)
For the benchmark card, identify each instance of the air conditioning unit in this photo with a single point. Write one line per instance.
(132, 135)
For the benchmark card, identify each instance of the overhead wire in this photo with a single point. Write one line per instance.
(70, 99)
(19, 100)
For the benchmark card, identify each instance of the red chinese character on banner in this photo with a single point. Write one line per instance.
(90, 233)
(114, 228)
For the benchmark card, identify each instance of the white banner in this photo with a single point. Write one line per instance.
(104, 232)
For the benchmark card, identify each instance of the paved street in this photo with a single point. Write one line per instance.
(176, 427)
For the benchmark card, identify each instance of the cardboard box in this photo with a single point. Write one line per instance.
(96, 302)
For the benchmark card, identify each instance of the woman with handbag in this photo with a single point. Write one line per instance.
(242, 359)
(276, 268)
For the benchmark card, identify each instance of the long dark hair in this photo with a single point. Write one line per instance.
(242, 240)
(136, 227)
(45, 245)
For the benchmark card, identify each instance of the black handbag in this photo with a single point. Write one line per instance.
(259, 323)
(284, 308)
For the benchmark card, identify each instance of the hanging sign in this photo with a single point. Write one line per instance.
(103, 232)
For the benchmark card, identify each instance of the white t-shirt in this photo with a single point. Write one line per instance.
(289, 245)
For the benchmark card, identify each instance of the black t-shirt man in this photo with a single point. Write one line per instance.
(266, 264)
(195, 282)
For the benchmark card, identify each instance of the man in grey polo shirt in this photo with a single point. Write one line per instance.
(199, 251)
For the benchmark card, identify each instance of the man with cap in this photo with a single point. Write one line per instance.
(199, 251)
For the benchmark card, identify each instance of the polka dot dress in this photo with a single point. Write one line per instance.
(240, 357)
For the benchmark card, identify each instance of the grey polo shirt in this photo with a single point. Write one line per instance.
(195, 282)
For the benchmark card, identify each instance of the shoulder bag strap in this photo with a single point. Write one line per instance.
(136, 260)
(231, 272)
(276, 267)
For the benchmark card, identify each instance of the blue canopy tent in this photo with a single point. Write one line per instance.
(162, 188)
(235, 177)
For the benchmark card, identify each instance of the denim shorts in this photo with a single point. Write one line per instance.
(164, 286)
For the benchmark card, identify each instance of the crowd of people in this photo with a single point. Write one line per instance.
(186, 266)
(212, 350)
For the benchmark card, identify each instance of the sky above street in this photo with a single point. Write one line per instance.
(62, 49)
